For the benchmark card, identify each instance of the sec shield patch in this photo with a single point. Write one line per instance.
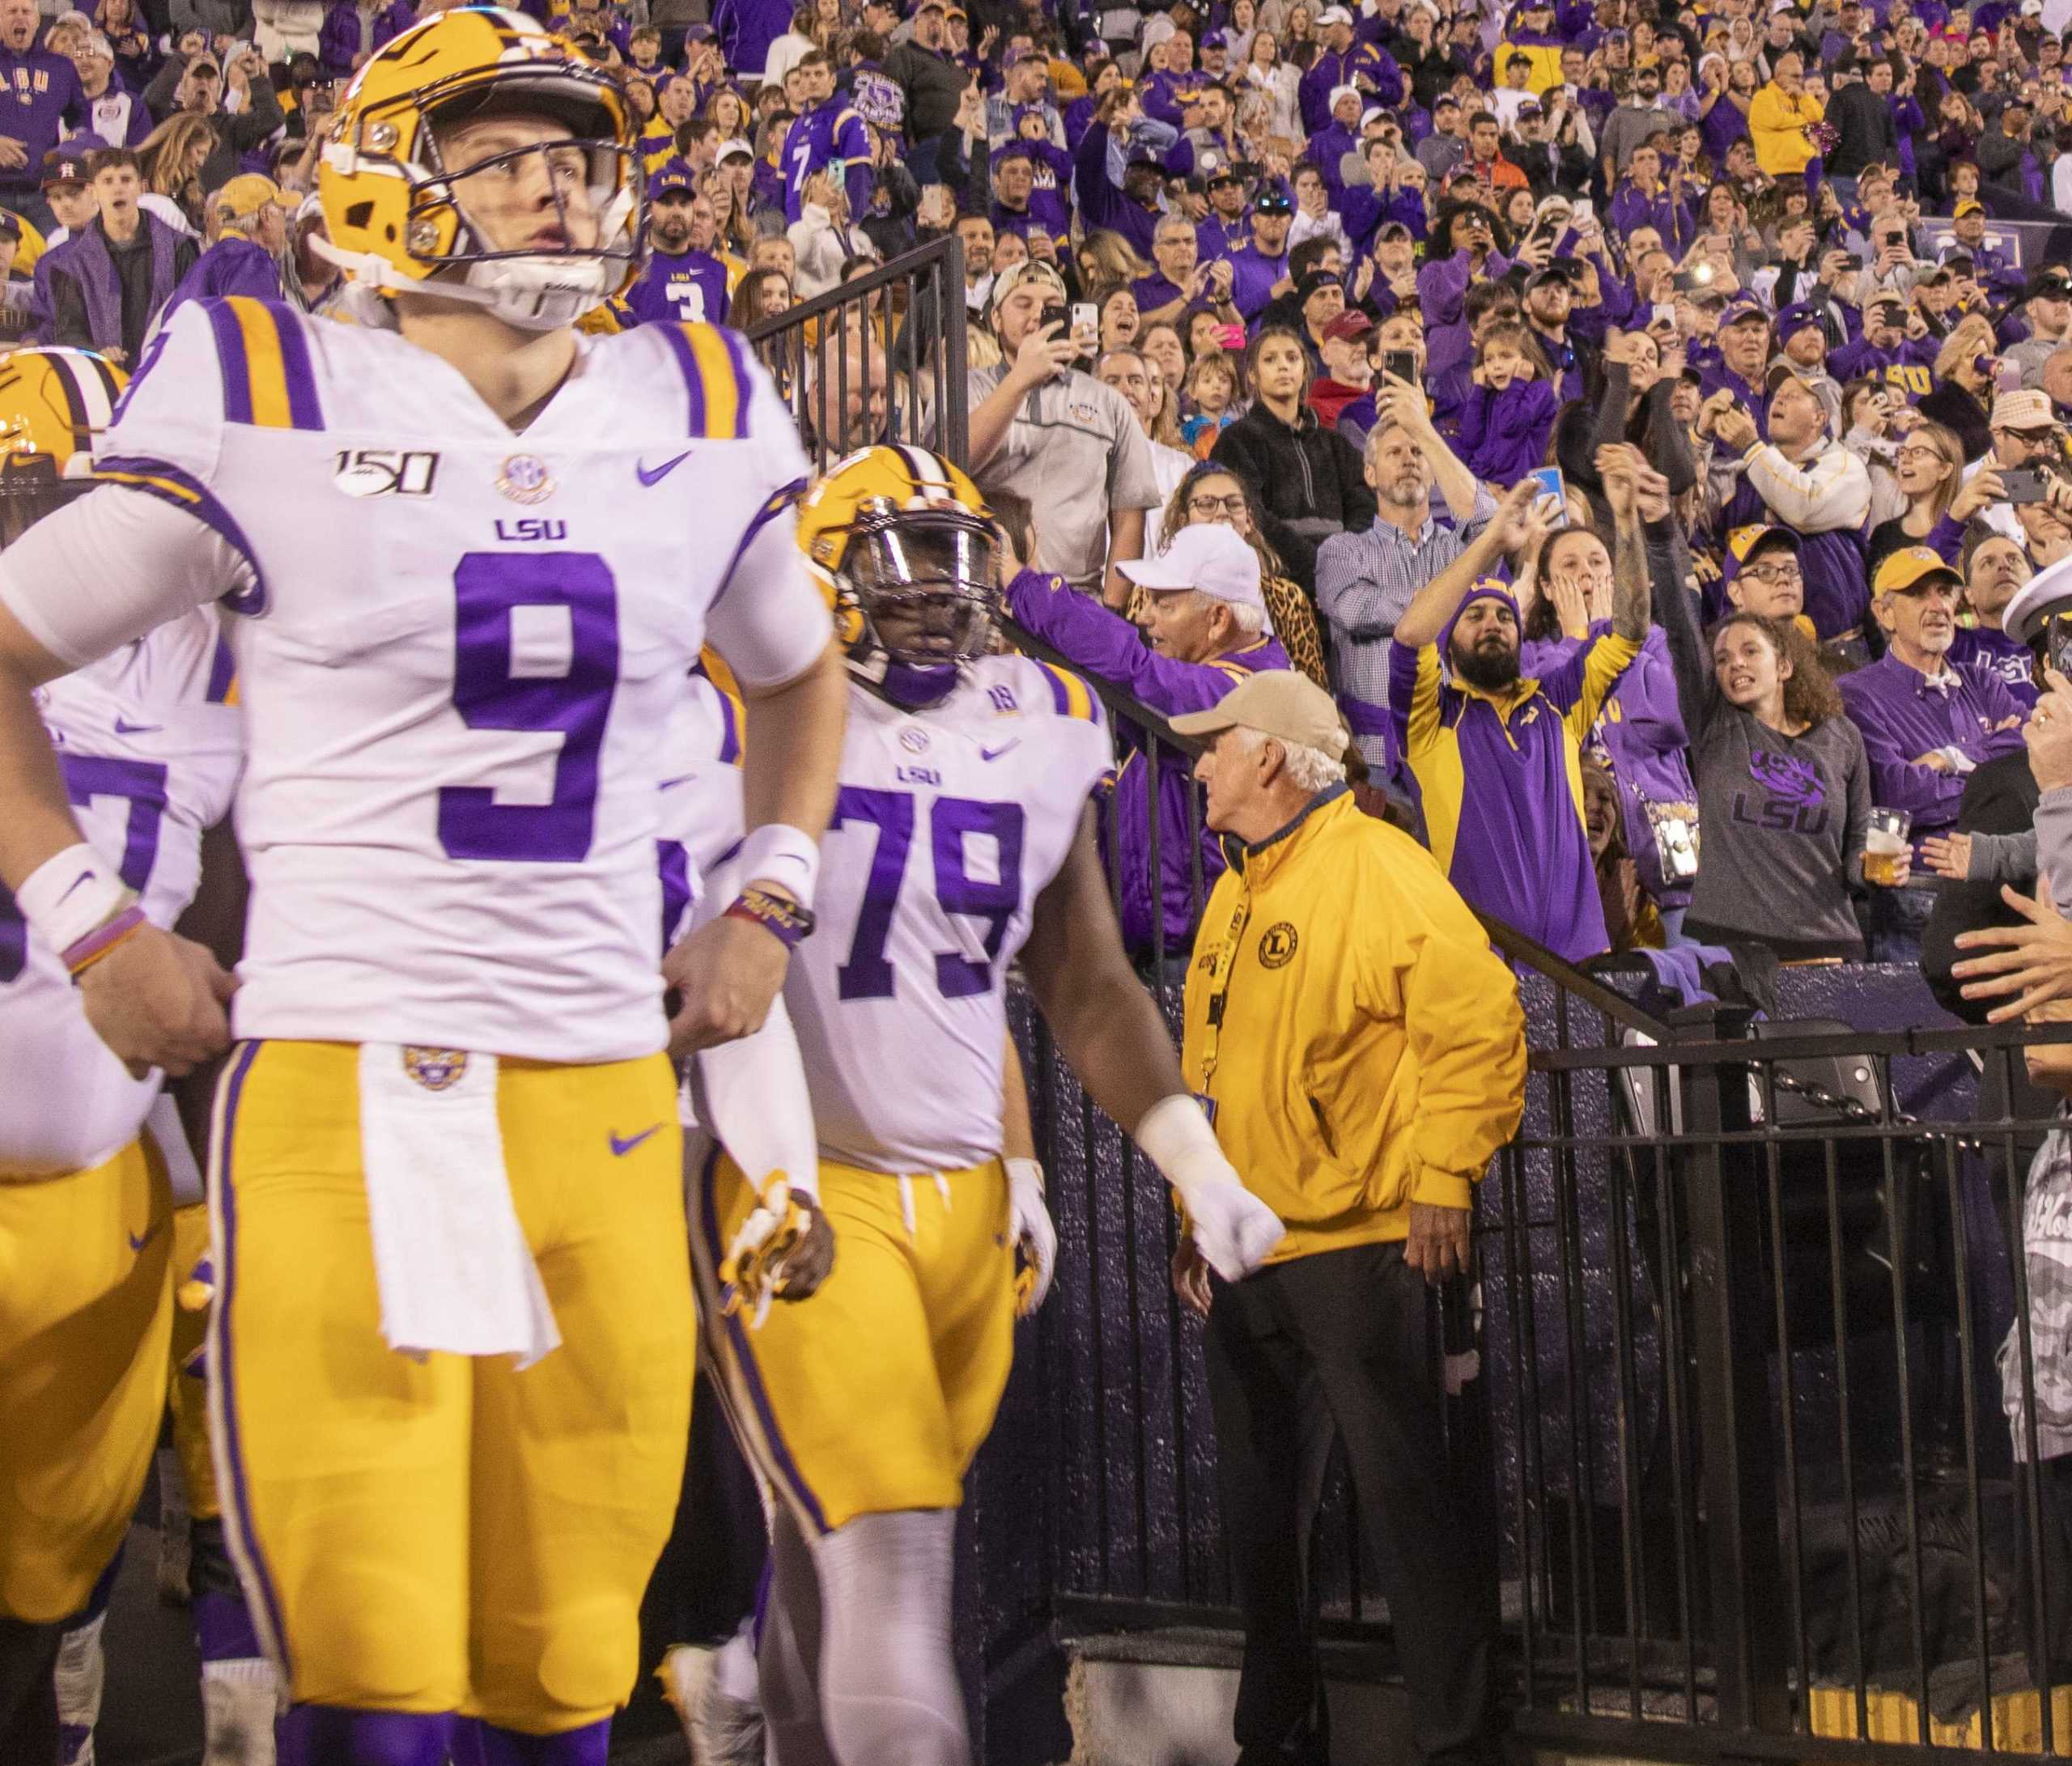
(1277, 945)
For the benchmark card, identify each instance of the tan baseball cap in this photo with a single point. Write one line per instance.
(1278, 702)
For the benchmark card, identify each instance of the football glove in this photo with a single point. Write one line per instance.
(1035, 1237)
(784, 1250)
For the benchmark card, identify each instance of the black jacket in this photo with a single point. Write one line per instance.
(1865, 120)
(1302, 474)
(934, 88)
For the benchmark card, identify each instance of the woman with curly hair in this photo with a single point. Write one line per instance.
(1462, 248)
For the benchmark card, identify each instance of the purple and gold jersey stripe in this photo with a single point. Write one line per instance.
(223, 675)
(169, 484)
(1072, 696)
(716, 378)
(268, 380)
(712, 666)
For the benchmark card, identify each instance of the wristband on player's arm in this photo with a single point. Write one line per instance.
(785, 920)
(785, 857)
(78, 906)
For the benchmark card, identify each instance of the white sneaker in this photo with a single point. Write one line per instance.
(239, 1700)
(720, 1731)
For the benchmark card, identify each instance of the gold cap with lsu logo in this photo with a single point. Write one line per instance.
(903, 545)
(396, 212)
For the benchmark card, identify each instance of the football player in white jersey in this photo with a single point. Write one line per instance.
(961, 837)
(148, 745)
(467, 563)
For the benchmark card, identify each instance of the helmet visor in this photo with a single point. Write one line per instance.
(925, 579)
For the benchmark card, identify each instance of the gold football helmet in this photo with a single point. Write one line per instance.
(395, 214)
(902, 545)
(53, 403)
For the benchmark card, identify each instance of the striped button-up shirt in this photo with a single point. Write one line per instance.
(1363, 582)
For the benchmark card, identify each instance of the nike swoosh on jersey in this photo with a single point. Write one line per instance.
(682, 778)
(994, 753)
(654, 475)
(123, 727)
(150, 1232)
(620, 1149)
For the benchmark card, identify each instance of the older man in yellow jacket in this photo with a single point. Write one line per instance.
(1781, 116)
(1362, 1054)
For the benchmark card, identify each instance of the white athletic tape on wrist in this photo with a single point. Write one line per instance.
(780, 854)
(69, 895)
(1175, 1136)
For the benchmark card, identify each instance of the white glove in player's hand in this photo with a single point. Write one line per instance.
(1232, 1228)
(1035, 1238)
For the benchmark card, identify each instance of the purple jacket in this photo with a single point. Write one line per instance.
(1639, 738)
(1107, 646)
(1633, 207)
(1988, 648)
(1902, 717)
(1503, 435)
(339, 41)
(45, 87)
(1367, 65)
(1441, 287)
(233, 265)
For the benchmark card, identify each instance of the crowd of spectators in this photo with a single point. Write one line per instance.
(1354, 283)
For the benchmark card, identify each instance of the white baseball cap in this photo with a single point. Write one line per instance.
(1207, 557)
(2049, 591)
(1334, 16)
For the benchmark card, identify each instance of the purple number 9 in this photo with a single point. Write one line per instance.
(489, 587)
(954, 820)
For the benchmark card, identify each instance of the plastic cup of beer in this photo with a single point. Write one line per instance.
(1884, 844)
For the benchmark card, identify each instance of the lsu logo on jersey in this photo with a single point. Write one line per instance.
(436, 1070)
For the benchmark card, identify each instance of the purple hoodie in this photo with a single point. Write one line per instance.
(1441, 287)
(1503, 435)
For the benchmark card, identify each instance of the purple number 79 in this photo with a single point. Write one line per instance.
(867, 975)
(488, 589)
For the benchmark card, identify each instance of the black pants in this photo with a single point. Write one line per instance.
(1361, 1326)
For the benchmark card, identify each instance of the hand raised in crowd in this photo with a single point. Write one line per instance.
(1398, 402)
(1735, 428)
(1948, 855)
(1617, 465)
(1045, 353)
(2031, 962)
(2047, 734)
(1983, 488)
(1511, 526)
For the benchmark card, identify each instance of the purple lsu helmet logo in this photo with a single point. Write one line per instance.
(1785, 776)
(435, 1069)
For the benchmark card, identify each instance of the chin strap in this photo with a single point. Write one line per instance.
(370, 269)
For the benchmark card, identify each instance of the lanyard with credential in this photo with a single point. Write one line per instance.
(1223, 958)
